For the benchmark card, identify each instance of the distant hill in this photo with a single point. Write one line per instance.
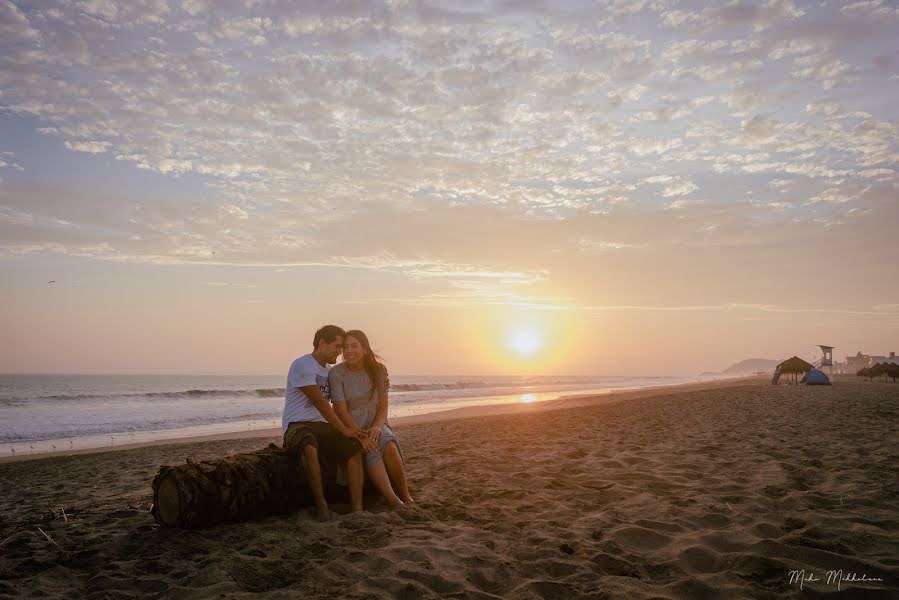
(751, 365)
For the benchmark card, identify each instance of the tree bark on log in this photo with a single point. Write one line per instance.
(239, 487)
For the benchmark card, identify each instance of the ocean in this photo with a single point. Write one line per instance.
(58, 413)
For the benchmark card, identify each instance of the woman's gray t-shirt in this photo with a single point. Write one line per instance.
(354, 388)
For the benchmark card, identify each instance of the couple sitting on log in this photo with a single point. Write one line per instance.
(340, 415)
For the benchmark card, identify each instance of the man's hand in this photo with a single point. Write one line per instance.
(359, 434)
(354, 432)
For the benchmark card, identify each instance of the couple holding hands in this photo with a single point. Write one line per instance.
(339, 415)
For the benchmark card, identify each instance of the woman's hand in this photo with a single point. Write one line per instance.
(360, 434)
(374, 433)
(368, 446)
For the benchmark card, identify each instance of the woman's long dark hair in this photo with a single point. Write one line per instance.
(374, 365)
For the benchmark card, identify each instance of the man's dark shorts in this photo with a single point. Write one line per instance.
(329, 442)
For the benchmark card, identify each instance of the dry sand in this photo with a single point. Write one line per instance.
(703, 492)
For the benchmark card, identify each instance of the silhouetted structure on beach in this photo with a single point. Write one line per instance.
(826, 361)
(884, 369)
(792, 366)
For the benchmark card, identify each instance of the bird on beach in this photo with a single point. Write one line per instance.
(13, 449)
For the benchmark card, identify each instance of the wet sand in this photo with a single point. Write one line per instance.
(710, 491)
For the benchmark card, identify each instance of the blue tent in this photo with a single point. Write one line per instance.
(815, 377)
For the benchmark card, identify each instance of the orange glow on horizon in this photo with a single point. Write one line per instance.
(524, 341)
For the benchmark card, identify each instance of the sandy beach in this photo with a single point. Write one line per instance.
(716, 490)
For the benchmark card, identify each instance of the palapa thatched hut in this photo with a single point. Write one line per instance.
(893, 371)
(884, 370)
(792, 366)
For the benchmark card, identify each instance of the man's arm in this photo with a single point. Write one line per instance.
(324, 407)
(343, 414)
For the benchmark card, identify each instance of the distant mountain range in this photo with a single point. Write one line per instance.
(749, 366)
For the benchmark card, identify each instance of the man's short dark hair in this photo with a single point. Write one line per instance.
(327, 333)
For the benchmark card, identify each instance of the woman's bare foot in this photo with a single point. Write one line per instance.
(324, 514)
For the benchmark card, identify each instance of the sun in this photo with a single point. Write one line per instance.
(522, 341)
(525, 342)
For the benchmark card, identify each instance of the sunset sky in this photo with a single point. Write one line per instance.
(621, 187)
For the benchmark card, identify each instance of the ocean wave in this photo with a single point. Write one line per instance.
(246, 393)
(425, 386)
(121, 429)
(196, 393)
(502, 384)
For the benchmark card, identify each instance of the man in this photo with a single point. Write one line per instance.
(310, 424)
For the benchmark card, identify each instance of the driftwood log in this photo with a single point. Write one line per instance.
(239, 487)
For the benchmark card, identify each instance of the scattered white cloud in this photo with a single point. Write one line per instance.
(823, 69)
(8, 215)
(289, 127)
(673, 185)
(644, 147)
(824, 109)
(733, 15)
(873, 8)
(14, 25)
(590, 245)
(886, 174)
(91, 147)
(469, 300)
(760, 128)
(226, 284)
(672, 108)
(792, 48)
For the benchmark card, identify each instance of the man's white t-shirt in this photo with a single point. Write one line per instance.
(297, 406)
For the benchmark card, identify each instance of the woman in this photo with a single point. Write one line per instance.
(359, 393)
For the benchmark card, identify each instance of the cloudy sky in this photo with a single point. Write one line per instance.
(641, 186)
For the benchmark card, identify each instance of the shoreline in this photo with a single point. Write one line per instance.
(719, 490)
(485, 410)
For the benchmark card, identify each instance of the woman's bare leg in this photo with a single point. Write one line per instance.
(381, 481)
(393, 463)
(355, 478)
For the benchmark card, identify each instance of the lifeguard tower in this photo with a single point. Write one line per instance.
(827, 359)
